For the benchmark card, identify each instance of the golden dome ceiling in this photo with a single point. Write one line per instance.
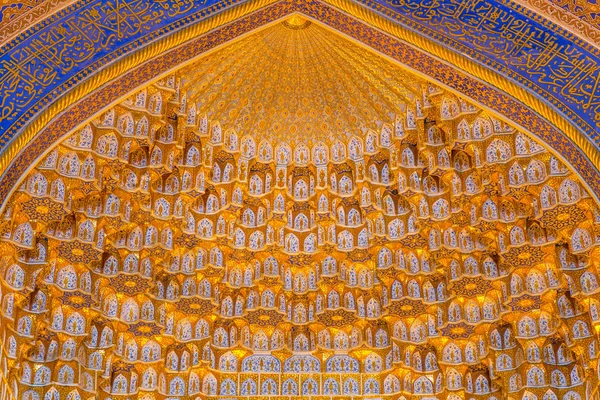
(301, 81)
(295, 216)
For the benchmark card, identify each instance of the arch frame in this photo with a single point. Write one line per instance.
(459, 74)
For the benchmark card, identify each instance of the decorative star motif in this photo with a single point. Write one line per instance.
(44, 209)
(327, 248)
(194, 305)
(525, 255)
(339, 317)
(129, 284)
(486, 170)
(562, 216)
(406, 307)
(194, 193)
(115, 222)
(77, 299)
(300, 260)
(460, 201)
(242, 255)
(486, 226)
(264, 317)
(87, 187)
(414, 241)
(460, 218)
(470, 286)
(457, 330)
(141, 217)
(359, 255)
(187, 241)
(146, 329)
(329, 280)
(518, 192)
(492, 189)
(140, 196)
(109, 184)
(524, 303)
(78, 252)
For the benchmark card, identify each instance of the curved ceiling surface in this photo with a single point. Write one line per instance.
(294, 216)
(301, 81)
(84, 45)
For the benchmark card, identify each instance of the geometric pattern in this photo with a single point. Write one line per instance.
(189, 244)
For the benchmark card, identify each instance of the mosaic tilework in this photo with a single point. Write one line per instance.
(514, 41)
(442, 253)
(41, 64)
(44, 62)
(47, 60)
(478, 91)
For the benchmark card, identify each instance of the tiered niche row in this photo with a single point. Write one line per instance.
(155, 254)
